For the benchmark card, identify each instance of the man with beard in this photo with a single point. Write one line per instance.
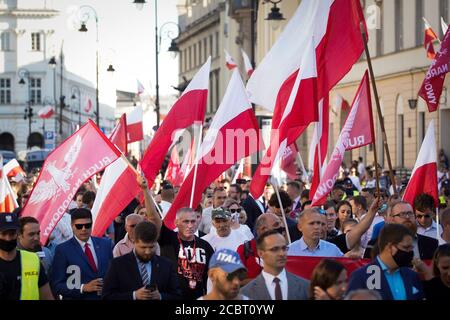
(29, 239)
(141, 274)
(402, 213)
(22, 276)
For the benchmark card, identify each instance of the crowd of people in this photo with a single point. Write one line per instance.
(233, 246)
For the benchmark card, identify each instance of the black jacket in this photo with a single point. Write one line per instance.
(252, 210)
(123, 277)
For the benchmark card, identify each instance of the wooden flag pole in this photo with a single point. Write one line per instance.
(380, 115)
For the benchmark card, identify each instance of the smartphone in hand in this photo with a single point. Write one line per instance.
(151, 287)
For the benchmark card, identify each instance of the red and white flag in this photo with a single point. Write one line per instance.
(173, 168)
(46, 112)
(239, 171)
(319, 146)
(14, 171)
(341, 103)
(288, 161)
(317, 48)
(357, 132)
(444, 26)
(117, 189)
(88, 106)
(229, 61)
(188, 109)
(66, 168)
(7, 197)
(140, 88)
(119, 135)
(186, 166)
(232, 135)
(424, 175)
(428, 39)
(433, 83)
(135, 127)
(247, 64)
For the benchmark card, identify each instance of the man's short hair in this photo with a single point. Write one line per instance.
(218, 189)
(329, 204)
(145, 231)
(80, 213)
(366, 292)
(305, 194)
(264, 235)
(361, 201)
(304, 204)
(295, 185)
(285, 200)
(393, 203)
(306, 211)
(392, 233)
(88, 197)
(238, 187)
(133, 216)
(183, 210)
(23, 221)
(424, 202)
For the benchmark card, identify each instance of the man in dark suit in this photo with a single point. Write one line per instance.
(254, 208)
(81, 262)
(389, 272)
(141, 274)
(402, 213)
(274, 282)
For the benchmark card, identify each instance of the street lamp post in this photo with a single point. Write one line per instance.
(275, 15)
(77, 95)
(24, 73)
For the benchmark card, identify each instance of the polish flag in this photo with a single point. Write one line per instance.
(7, 198)
(247, 63)
(288, 163)
(46, 112)
(140, 88)
(357, 132)
(13, 170)
(229, 61)
(117, 189)
(186, 166)
(341, 103)
(428, 39)
(239, 171)
(444, 26)
(188, 109)
(88, 106)
(319, 146)
(317, 48)
(119, 135)
(173, 168)
(232, 135)
(66, 168)
(135, 127)
(424, 175)
(433, 83)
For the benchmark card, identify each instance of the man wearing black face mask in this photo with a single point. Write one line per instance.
(389, 272)
(22, 276)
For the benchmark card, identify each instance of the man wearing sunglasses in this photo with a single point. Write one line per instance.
(80, 263)
(424, 206)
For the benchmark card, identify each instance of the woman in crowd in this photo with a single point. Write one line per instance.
(328, 281)
(438, 288)
(344, 212)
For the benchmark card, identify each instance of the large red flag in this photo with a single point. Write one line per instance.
(424, 175)
(317, 48)
(7, 197)
(288, 163)
(64, 171)
(189, 109)
(173, 168)
(135, 127)
(357, 132)
(232, 135)
(433, 83)
(428, 39)
(119, 135)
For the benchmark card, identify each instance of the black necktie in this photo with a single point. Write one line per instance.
(278, 295)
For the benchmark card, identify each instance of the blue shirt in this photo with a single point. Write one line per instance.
(323, 249)
(395, 281)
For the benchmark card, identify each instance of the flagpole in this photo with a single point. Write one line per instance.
(302, 166)
(282, 212)
(437, 222)
(199, 140)
(377, 102)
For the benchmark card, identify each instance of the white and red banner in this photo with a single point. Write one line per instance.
(316, 49)
(14, 171)
(288, 161)
(46, 112)
(173, 170)
(229, 61)
(66, 168)
(88, 106)
(119, 135)
(433, 83)
(117, 189)
(189, 109)
(247, 64)
(424, 175)
(444, 26)
(357, 132)
(428, 39)
(232, 135)
(140, 88)
(135, 126)
(7, 197)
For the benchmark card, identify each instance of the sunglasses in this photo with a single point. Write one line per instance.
(235, 210)
(241, 274)
(421, 216)
(80, 226)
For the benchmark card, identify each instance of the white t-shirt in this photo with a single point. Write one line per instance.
(243, 229)
(232, 242)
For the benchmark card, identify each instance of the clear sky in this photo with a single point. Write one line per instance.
(126, 39)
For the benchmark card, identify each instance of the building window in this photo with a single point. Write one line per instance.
(443, 12)
(211, 46)
(380, 42)
(5, 91)
(181, 61)
(400, 132)
(210, 93)
(36, 41)
(200, 58)
(217, 44)
(205, 51)
(217, 100)
(185, 60)
(5, 38)
(190, 58)
(419, 22)
(398, 25)
(195, 54)
(35, 90)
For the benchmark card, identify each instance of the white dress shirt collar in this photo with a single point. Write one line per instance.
(270, 284)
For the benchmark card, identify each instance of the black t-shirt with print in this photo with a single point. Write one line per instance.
(192, 269)
(10, 278)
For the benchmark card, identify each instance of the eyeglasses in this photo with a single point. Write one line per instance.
(241, 274)
(80, 226)
(404, 214)
(421, 216)
(235, 210)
